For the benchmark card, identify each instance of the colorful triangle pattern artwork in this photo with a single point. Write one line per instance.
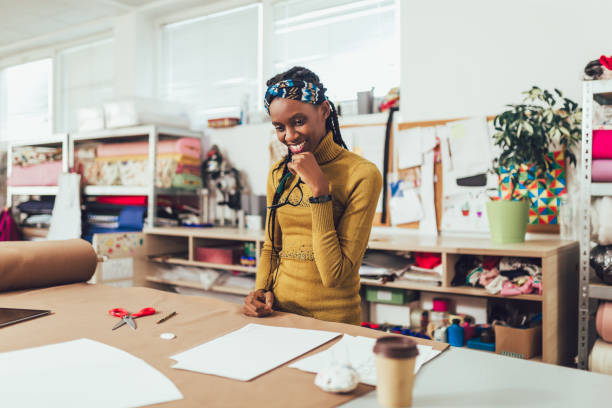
(544, 191)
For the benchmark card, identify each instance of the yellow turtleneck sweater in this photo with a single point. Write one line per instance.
(321, 245)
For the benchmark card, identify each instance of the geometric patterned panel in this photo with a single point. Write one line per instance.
(544, 191)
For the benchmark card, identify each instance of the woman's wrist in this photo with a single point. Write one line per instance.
(320, 191)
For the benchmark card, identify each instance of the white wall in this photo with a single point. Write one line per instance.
(471, 57)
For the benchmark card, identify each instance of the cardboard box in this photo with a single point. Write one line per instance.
(519, 343)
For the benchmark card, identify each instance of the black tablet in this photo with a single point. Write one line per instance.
(11, 316)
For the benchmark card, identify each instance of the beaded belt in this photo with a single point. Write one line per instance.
(301, 254)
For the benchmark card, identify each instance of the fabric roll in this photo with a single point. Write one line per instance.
(43, 174)
(602, 144)
(603, 321)
(600, 359)
(601, 170)
(185, 145)
(37, 264)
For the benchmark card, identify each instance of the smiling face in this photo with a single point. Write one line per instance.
(299, 125)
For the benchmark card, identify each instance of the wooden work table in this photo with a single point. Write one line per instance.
(559, 260)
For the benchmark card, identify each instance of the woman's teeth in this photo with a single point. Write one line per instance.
(297, 148)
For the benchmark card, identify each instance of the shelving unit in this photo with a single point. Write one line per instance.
(559, 260)
(176, 246)
(591, 291)
(152, 133)
(59, 139)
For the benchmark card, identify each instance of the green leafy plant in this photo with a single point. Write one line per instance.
(526, 132)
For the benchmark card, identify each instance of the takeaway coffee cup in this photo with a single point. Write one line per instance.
(395, 357)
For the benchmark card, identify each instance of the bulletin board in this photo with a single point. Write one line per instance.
(438, 181)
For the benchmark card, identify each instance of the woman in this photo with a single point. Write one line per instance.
(321, 202)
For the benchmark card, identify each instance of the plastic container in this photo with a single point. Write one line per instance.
(456, 334)
(438, 318)
(440, 334)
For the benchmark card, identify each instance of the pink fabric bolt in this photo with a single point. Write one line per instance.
(602, 144)
(601, 170)
(43, 174)
(188, 146)
(603, 321)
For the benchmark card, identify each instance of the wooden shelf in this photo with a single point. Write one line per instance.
(187, 262)
(234, 290)
(221, 233)
(455, 290)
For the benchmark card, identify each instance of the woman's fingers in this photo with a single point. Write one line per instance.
(269, 300)
(254, 304)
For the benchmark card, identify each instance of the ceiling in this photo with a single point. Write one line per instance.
(28, 21)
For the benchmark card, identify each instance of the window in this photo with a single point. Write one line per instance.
(212, 63)
(86, 78)
(352, 45)
(25, 100)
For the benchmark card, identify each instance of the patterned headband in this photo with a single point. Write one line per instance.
(297, 90)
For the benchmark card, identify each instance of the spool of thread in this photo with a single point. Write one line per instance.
(600, 359)
(441, 305)
(415, 318)
(603, 321)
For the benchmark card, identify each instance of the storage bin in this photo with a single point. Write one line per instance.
(390, 295)
(219, 255)
(520, 343)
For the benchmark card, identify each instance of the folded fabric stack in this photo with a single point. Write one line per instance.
(506, 276)
(601, 170)
(35, 217)
(35, 166)
(427, 269)
(114, 214)
(178, 164)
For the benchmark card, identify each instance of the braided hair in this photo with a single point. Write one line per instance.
(301, 84)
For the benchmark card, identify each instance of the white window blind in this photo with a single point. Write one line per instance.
(25, 100)
(352, 45)
(86, 78)
(211, 63)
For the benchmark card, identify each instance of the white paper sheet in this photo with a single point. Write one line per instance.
(358, 352)
(251, 351)
(469, 146)
(409, 150)
(80, 373)
(405, 207)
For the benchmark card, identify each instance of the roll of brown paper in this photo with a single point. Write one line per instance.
(37, 264)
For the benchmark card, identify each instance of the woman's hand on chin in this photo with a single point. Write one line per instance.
(306, 167)
(258, 303)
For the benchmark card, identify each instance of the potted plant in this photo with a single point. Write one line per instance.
(527, 134)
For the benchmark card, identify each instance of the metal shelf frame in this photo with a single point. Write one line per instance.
(589, 292)
(152, 132)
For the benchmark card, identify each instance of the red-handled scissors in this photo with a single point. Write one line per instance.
(127, 317)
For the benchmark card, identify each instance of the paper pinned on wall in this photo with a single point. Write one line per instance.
(80, 373)
(409, 148)
(251, 351)
(358, 352)
(469, 144)
(369, 142)
(404, 205)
